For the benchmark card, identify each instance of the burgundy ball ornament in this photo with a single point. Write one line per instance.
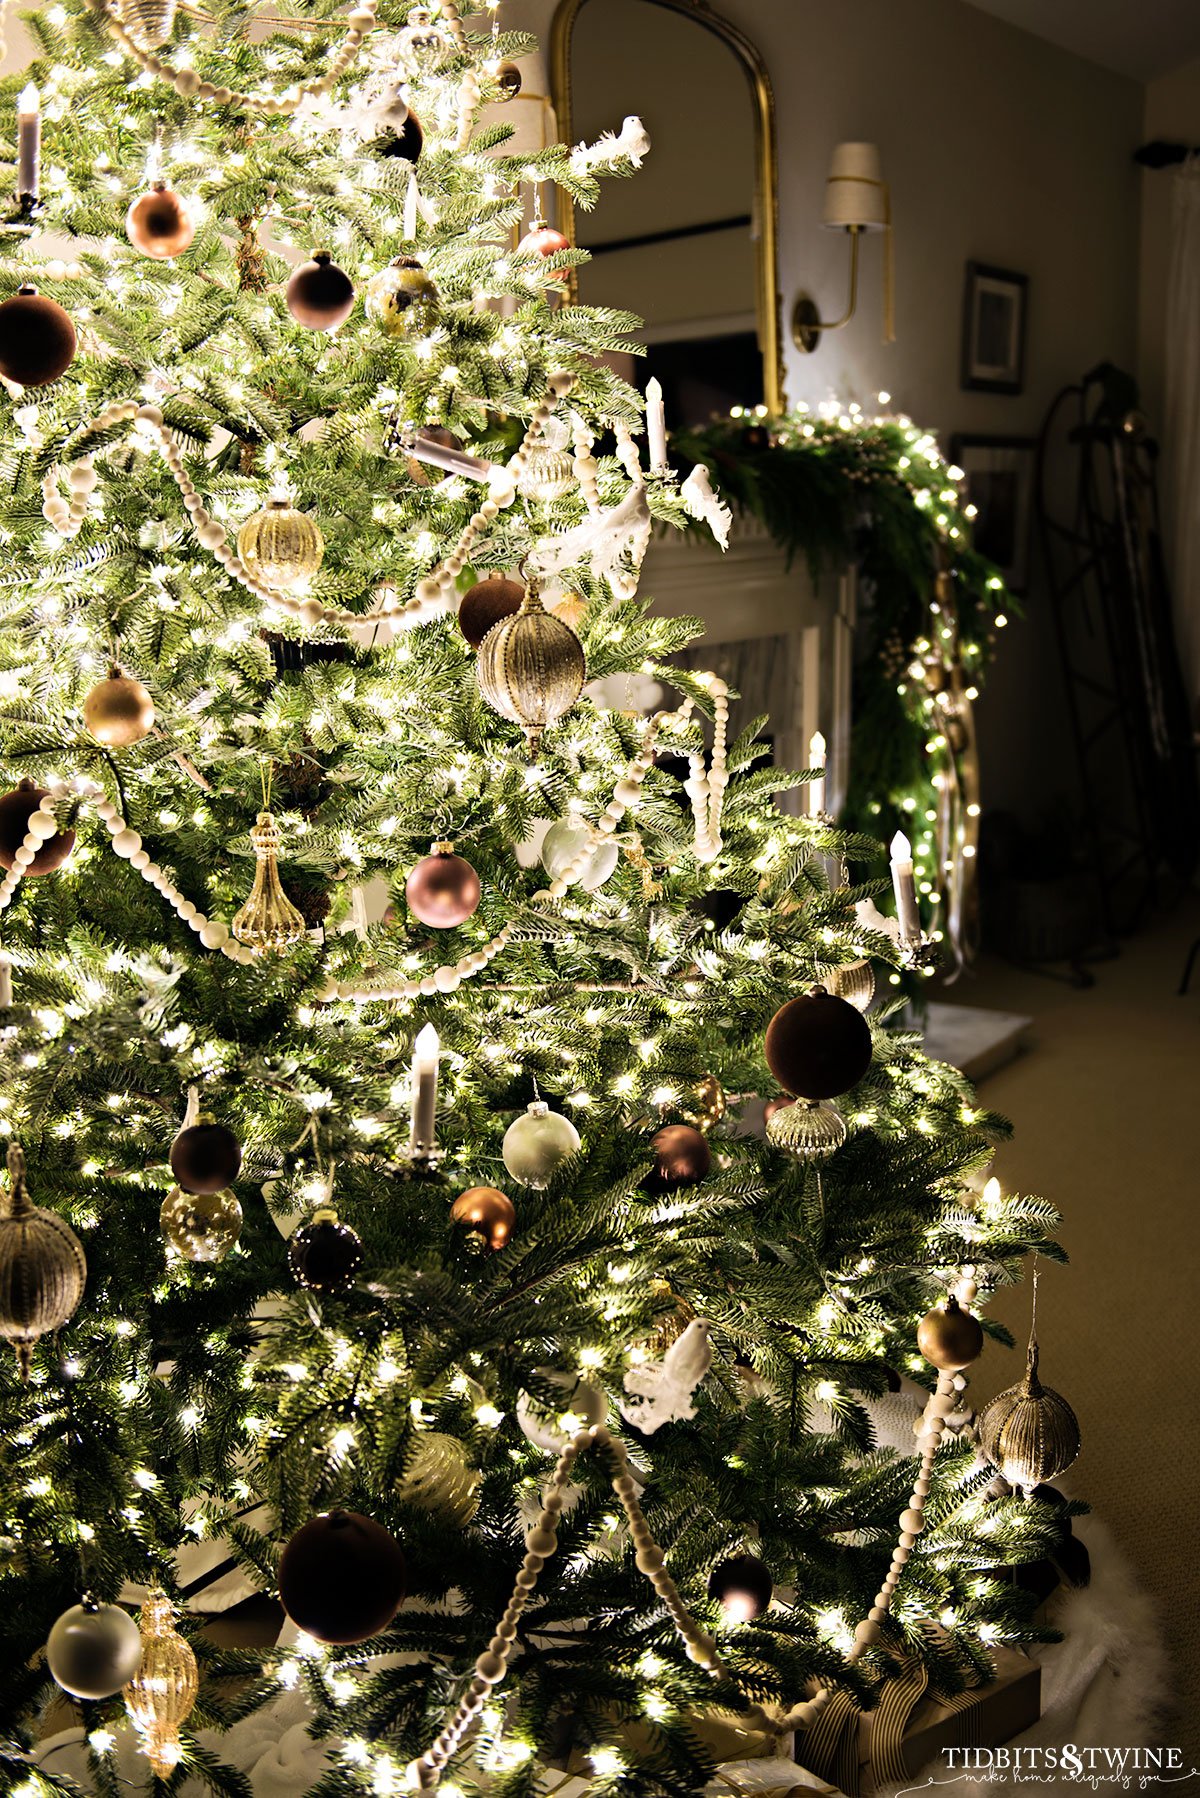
(949, 1337)
(158, 224)
(94, 1649)
(325, 1254)
(37, 338)
(546, 241)
(442, 891)
(818, 1046)
(742, 1586)
(16, 809)
(485, 604)
(681, 1158)
(320, 295)
(206, 1156)
(342, 1577)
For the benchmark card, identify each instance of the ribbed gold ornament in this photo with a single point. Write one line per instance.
(281, 546)
(710, 1103)
(547, 474)
(160, 1696)
(439, 1477)
(1029, 1433)
(148, 22)
(855, 984)
(809, 1129)
(268, 922)
(530, 668)
(42, 1268)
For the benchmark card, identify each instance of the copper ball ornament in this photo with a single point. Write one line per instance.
(681, 1158)
(507, 77)
(16, 809)
(93, 1650)
(342, 1577)
(949, 1337)
(818, 1046)
(118, 711)
(325, 1254)
(485, 604)
(543, 240)
(402, 299)
(742, 1586)
(37, 338)
(206, 1156)
(486, 1213)
(200, 1226)
(320, 295)
(158, 224)
(443, 890)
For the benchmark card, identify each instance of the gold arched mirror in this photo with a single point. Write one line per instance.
(690, 243)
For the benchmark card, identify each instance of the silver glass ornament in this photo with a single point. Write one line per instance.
(536, 1145)
(855, 984)
(809, 1129)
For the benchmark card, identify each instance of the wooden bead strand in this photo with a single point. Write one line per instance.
(584, 463)
(41, 827)
(188, 84)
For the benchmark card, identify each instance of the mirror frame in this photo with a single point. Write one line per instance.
(766, 158)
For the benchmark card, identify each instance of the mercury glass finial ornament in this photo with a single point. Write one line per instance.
(149, 22)
(1029, 1432)
(160, 1696)
(809, 1129)
(548, 473)
(855, 984)
(422, 45)
(268, 922)
(42, 1268)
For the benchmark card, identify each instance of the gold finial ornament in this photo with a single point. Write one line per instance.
(1029, 1433)
(268, 922)
(42, 1268)
(160, 1696)
(530, 668)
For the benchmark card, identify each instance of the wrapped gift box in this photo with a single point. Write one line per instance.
(981, 1718)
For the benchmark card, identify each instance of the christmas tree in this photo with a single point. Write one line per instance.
(419, 1256)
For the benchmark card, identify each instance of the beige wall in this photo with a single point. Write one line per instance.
(1172, 112)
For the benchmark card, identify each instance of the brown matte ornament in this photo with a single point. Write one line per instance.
(485, 604)
(818, 1046)
(159, 224)
(531, 668)
(118, 711)
(486, 1212)
(205, 1157)
(443, 891)
(681, 1158)
(37, 338)
(325, 1254)
(507, 77)
(201, 1226)
(16, 809)
(320, 295)
(342, 1577)
(406, 140)
(42, 1268)
(950, 1338)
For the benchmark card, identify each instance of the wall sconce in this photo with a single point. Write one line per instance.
(856, 200)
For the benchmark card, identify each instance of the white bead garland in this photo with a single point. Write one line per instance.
(585, 464)
(187, 83)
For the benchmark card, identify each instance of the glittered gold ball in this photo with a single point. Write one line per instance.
(201, 1226)
(159, 224)
(485, 1212)
(118, 711)
(531, 669)
(710, 1102)
(281, 546)
(949, 1337)
(402, 298)
(439, 1477)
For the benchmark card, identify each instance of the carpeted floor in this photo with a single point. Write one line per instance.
(1106, 1105)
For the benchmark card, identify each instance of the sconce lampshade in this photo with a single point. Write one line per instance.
(855, 194)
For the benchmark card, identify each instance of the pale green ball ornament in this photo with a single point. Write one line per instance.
(402, 299)
(439, 1477)
(562, 843)
(536, 1145)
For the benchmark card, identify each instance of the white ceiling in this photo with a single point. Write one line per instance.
(1142, 38)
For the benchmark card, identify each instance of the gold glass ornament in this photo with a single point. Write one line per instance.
(160, 1696)
(855, 984)
(268, 922)
(201, 1226)
(118, 711)
(402, 299)
(548, 474)
(709, 1107)
(439, 1477)
(281, 546)
(148, 22)
(42, 1268)
(530, 668)
(1029, 1433)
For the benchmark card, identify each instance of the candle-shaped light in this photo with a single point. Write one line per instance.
(905, 886)
(816, 788)
(656, 427)
(410, 209)
(29, 141)
(423, 1136)
(6, 990)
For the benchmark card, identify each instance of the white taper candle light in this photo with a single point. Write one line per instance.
(816, 788)
(423, 1137)
(29, 140)
(905, 887)
(6, 990)
(656, 427)
(410, 209)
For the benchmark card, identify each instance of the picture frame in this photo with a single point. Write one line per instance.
(999, 480)
(995, 301)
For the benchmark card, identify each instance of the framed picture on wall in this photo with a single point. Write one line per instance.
(993, 336)
(999, 484)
